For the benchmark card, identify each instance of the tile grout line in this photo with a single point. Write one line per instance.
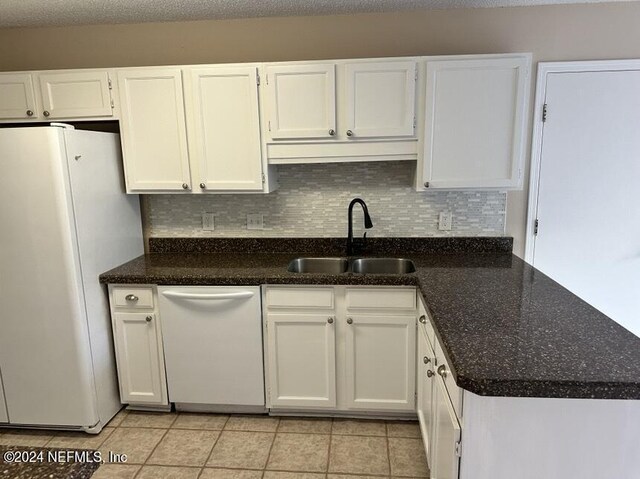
(275, 434)
(386, 429)
(329, 450)
(206, 461)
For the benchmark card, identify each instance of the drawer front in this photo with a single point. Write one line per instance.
(300, 298)
(133, 297)
(444, 370)
(381, 298)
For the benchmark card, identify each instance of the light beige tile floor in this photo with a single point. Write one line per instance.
(215, 446)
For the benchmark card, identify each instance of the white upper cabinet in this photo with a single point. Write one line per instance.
(153, 130)
(17, 96)
(76, 94)
(301, 101)
(475, 122)
(224, 128)
(380, 99)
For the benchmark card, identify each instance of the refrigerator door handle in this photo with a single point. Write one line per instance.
(209, 296)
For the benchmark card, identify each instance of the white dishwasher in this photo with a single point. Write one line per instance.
(213, 347)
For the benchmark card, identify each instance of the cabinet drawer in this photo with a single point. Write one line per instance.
(381, 298)
(133, 297)
(307, 298)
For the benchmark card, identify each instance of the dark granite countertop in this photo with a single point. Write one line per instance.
(507, 329)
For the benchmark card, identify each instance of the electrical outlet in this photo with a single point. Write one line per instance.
(208, 221)
(444, 221)
(255, 221)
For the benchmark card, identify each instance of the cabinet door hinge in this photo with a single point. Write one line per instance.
(535, 227)
(544, 113)
(109, 82)
(269, 124)
(414, 122)
(112, 104)
(459, 449)
(264, 179)
(266, 79)
(258, 79)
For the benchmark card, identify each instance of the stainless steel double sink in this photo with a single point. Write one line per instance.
(358, 265)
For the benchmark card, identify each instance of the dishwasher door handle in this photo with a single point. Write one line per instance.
(208, 296)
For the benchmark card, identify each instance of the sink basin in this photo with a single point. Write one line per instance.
(383, 266)
(319, 265)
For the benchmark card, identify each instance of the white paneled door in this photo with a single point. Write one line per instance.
(154, 137)
(445, 458)
(301, 360)
(75, 94)
(301, 101)
(17, 96)
(474, 124)
(140, 361)
(222, 109)
(380, 99)
(588, 234)
(380, 362)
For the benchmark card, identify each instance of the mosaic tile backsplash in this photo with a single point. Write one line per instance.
(312, 201)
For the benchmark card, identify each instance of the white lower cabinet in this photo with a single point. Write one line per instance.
(436, 396)
(445, 456)
(424, 384)
(302, 364)
(139, 351)
(380, 352)
(322, 355)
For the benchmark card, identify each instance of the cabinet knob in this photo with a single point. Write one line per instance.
(131, 297)
(203, 186)
(330, 320)
(185, 186)
(332, 132)
(349, 133)
(29, 112)
(430, 373)
(46, 113)
(426, 360)
(349, 321)
(422, 319)
(426, 184)
(148, 318)
(442, 371)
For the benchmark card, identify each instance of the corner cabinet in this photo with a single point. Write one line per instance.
(475, 119)
(340, 348)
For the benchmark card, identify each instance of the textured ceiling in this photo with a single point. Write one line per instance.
(31, 13)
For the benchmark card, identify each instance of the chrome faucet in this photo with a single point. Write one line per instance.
(352, 245)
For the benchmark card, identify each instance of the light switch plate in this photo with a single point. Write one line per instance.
(444, 221)
(255, 221)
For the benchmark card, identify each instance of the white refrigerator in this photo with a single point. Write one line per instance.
(64, 219)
